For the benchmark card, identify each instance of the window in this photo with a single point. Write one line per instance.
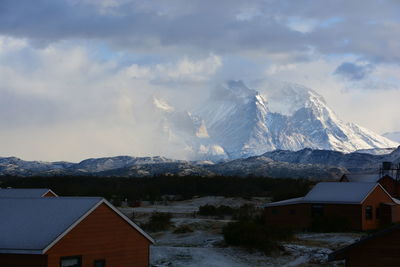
(99, 263)
(368, 212)
(317, 210)
(74, 261)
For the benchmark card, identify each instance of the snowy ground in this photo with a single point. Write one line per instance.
(205, 247)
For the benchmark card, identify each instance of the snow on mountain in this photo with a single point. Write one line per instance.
(394, 136)
(244, 123)
(236, 118)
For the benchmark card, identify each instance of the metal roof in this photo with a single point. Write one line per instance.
(335, 193)
(339, 192)
(23, 192)
(33, 225)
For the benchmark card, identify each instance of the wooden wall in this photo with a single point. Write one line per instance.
(16, 260)
(375, 199)
(381, 251)
(302, 218)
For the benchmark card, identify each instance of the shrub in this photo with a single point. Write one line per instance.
(210, 210)
(183, 229)
(158, 222)
(246, 212)
(255, 235)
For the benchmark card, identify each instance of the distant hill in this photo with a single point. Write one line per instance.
(305, 163)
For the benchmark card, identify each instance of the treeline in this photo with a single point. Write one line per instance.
(153, 188)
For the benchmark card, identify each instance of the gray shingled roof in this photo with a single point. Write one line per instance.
(29, 225)
(23, 192)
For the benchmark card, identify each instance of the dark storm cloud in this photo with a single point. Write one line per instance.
(353, 71)
(368, 29)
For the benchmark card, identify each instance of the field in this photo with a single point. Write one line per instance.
(204, 245)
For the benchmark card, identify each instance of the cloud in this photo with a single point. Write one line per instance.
(353, 71)
(222, 27)
(73, 104)
(93, 65)
(182, 71)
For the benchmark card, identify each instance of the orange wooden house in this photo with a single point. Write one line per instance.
(379, 249)
(365, 206)
(69, 232)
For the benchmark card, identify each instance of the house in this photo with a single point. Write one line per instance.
(364, 206)
(379, 249)
(69, 231)
(26, 192)
(391, 185)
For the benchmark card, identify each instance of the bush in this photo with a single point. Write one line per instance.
(183, 229)
(246, 212)
(210, 210)
(158, 222)
(255, 235)
(330, 224)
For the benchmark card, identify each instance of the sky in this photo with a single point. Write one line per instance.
(76, 75)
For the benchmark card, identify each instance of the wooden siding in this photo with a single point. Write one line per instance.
(374, 200)
(102, 235)
(291, 216)
(49, 194)
(381, 251)
(301, 217)
(16, 260)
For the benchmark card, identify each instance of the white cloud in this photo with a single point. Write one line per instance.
(76, 106)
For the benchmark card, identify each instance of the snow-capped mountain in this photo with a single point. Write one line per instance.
(245, 123)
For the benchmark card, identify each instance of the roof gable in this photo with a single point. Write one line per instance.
(34, 225)
(108, 204)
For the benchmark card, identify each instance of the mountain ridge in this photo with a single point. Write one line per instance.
(305, 163)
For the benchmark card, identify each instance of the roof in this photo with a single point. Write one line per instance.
(337, 192)
(33, 225)
(24, 192)
(341, 253)
(333, 192)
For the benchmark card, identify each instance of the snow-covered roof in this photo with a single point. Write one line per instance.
(23, 192)
(33, 225)
(337, 192)
(333, 192)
